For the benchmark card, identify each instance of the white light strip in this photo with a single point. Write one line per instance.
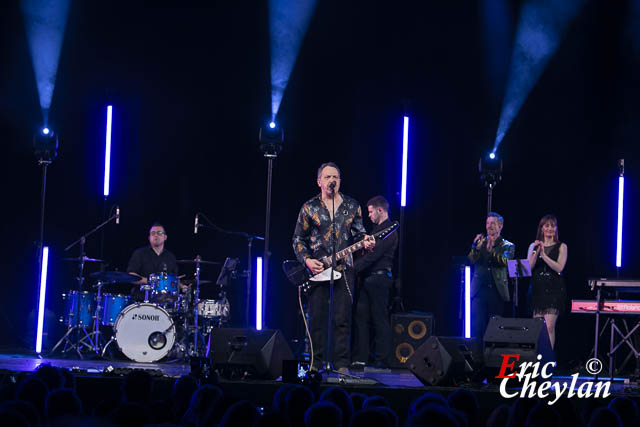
(467, 302)
(620, 211)
(405, 149)
(43, 293)
(107, 152)
(259, 293)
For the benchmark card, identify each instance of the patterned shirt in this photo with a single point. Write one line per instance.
(312, 236)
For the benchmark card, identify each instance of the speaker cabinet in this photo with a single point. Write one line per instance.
(526, 337)
(256, 353)
(408, 331)
(446, 360)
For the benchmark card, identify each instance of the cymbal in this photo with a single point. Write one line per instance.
(114, 277)
(85, 259)
(197, 260)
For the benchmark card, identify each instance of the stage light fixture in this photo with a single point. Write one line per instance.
(45, 145)
(42, 297)
(259, 293)
(271, 138)
(620, 214)
(107, 152)
(490, 169)
(405, 155)
(467, 301)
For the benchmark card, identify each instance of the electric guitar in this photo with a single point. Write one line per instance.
(300, 275)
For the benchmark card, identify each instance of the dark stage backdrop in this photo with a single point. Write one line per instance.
(190, 87)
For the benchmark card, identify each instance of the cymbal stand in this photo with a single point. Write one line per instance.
(248, 273)
(96, 344)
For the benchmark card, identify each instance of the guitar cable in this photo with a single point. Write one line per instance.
(306, 325)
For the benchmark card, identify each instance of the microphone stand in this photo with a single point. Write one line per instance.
(93, 345)
(248, 273)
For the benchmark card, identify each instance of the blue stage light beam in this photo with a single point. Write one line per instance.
(405, 157)
(107, 152)
(259, 293)
(498, 36)
(42, 297)
(288, 24)
(467, 301)
(45, 22)
(541, 27)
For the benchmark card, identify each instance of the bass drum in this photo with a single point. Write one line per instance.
(145, 332)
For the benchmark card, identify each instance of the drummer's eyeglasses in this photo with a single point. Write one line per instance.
(157, 233)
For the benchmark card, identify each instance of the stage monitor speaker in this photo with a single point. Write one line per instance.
(526, 337)
(256, 353)
(408, 331)
(446, 360)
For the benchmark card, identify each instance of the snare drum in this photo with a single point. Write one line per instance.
(164, 283)
(144, 332)
(213, 309)
(79, 309)
(112, 306)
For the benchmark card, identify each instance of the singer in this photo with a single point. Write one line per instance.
(547, 257)
(489, 286)
(311, 241)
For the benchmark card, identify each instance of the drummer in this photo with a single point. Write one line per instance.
(152, 259)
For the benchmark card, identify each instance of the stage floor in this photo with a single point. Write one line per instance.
(101, 379)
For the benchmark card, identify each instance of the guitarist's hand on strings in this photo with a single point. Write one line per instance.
(314, 265)
(369, 242)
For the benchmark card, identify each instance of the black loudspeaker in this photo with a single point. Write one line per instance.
(526, 337)
(257, 353)
(408, 332)
(446, 360)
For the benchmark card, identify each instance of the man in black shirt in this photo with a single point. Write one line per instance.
(153, 258)
(311, 242)
(373, 297)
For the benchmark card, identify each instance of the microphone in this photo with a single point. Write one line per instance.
(117, 214)
(332, 186)
(195, 225)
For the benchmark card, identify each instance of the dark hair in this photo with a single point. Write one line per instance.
(379, 202)
(326, 165)
(543, 221)
(497, 216)
(157, 224)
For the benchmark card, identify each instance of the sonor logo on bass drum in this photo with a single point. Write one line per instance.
(152, 317)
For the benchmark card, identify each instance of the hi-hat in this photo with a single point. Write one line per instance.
(84, 258)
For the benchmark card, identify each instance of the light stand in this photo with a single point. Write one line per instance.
(45, 145)
(490, 169)
(271, 139)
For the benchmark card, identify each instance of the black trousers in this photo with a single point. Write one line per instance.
(484, 304)
(319, 312)
(372, 318)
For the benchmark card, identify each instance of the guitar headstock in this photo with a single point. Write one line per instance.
(383, 234)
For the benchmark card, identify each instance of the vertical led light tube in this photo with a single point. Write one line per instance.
(41, 298)
(620, 211)
(259, 293)
(467, 301)
(107, 151)
(405, 149)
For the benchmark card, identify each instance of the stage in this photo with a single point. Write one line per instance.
(99, 380)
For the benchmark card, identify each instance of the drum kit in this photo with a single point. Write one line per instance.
(168, 322)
